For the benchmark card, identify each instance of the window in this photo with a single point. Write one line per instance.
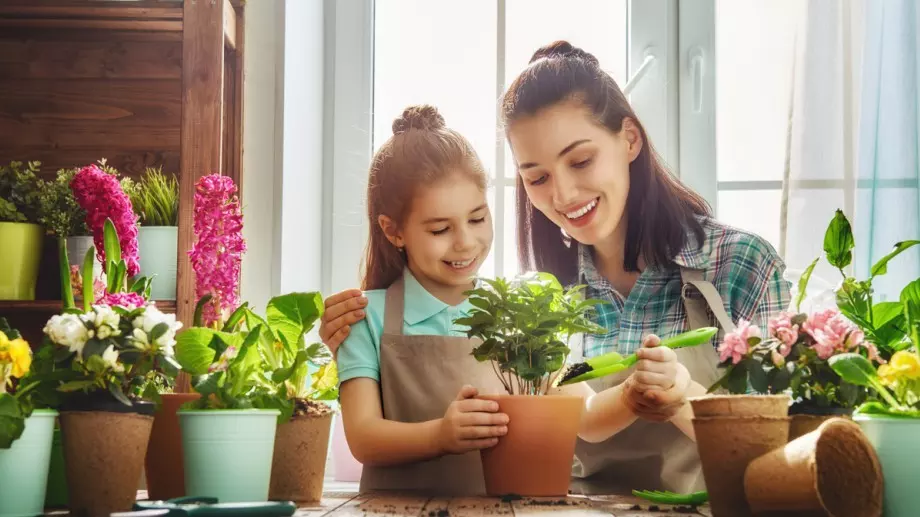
(708, 69)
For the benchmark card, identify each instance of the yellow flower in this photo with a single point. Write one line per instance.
(4, 348)
(903, 365)
(21, 355)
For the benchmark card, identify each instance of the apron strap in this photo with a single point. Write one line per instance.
(394, 307)
(696, 309)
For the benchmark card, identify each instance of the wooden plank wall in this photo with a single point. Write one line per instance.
(69, 98)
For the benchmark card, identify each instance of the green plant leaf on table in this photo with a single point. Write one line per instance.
(838, 241)
(881, 267)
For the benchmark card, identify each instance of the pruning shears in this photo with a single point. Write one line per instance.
(608, 364)
(208, 506)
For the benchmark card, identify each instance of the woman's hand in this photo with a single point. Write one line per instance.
(657, 390)
(471, 424)
(342, 310)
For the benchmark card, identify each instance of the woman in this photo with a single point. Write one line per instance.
(597, 207)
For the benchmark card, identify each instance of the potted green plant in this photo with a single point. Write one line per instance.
(305, 379)
(64, 219)
(155, 199)
(25, 432)
(20, 232)
(524, 326)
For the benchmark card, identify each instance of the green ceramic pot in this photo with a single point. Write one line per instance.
(24, 467)
(228, 453)
(22, 252)
(895, 442)
(156, 246)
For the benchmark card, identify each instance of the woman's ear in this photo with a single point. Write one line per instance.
(633, 138)
(391, 231)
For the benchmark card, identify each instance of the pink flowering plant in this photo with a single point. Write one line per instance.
(799, 349)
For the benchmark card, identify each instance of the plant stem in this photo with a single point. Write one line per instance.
(64, 268)
(883, 391)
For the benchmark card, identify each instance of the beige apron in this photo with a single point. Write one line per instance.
(652, 455)
(419, 377)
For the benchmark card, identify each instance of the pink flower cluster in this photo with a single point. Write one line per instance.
(833, 333)
(737, 342)
(101, 196)
(217, 253)
(782, 328)
(126, 300)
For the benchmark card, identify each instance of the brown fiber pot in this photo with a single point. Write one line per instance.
(104, 456)
(832, 471)
(740, 405)
(163, 465)
(726, 446)
(535, 457)
(299, 460)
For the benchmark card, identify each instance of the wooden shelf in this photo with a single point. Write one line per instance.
(55, 306)
(68, 14)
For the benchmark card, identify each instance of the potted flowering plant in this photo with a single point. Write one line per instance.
(25, 431)
(524, 326)
(299, 461)
(20, 232)
(155, 199)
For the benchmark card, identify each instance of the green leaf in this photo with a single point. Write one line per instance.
(12, 420)
(64, 271)
(193, 351)
(235, 318)
(119, 395)
(838, 241)
(111, 245)
(803, 283)
(853, 301)
(94, 347)
(737, 382)
(75, 385)
(158, 330)
(910, 297)
(87, 274)
(884, 313)
(199, 308)
(294, 314)
(881, 267)
(282, 374)
(758, 376)
(209, 384)
(854, 369)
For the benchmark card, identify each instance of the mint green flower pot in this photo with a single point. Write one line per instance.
(24, 467)
(898, 448)
(157, 246)
(228, 453)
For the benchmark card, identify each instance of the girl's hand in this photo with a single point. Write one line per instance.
(471, 424)
(342, 310)
(657, 389)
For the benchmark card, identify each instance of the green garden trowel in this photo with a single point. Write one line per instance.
(694, 499)
(613, 362)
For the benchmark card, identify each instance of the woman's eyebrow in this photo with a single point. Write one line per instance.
(562, 153)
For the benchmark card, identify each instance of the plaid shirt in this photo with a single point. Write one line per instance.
(744, 268)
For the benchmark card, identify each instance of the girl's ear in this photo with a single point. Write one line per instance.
(633, 138)
(391, 231)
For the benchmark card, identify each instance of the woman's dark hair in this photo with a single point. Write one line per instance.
(659, 209)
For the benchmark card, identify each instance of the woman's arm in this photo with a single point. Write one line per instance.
(605, 413)
(469, 424)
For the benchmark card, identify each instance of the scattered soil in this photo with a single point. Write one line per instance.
(552, 502)
(575, 370)
(508, 498)
(310, 408)
(439, 513)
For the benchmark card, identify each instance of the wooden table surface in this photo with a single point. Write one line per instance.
(341, 504)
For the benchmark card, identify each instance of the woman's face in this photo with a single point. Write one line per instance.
(575, 170)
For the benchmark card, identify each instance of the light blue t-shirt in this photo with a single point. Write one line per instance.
(424, 315)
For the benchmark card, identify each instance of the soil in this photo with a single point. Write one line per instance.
(310, 408)
(575, 370)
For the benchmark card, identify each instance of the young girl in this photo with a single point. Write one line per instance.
(409, 382)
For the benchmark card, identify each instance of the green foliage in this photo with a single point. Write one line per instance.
(155, 198)
(20, 190)
(524, 326)
(60, 213)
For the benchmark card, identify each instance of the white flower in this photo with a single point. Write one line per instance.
(67, 330)
(104, 321)
(144, 324)
(110, 357)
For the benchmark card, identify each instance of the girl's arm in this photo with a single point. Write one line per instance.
(377, 441)
(469, 424)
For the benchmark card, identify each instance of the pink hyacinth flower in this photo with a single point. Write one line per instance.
(126, 300)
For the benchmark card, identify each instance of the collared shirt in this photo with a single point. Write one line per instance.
(743, 267)
(424, 315)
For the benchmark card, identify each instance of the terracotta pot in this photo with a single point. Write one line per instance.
(104, 456)
(726, 446)
(832, 471)
(740, 405)
(299, 460)
(535, 457)
(163, 464)
(807, 419)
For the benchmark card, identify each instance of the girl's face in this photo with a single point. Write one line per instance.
(575, 170)
(447, 233)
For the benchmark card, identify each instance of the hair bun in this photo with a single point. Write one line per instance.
(563, 49)
(424, 117)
